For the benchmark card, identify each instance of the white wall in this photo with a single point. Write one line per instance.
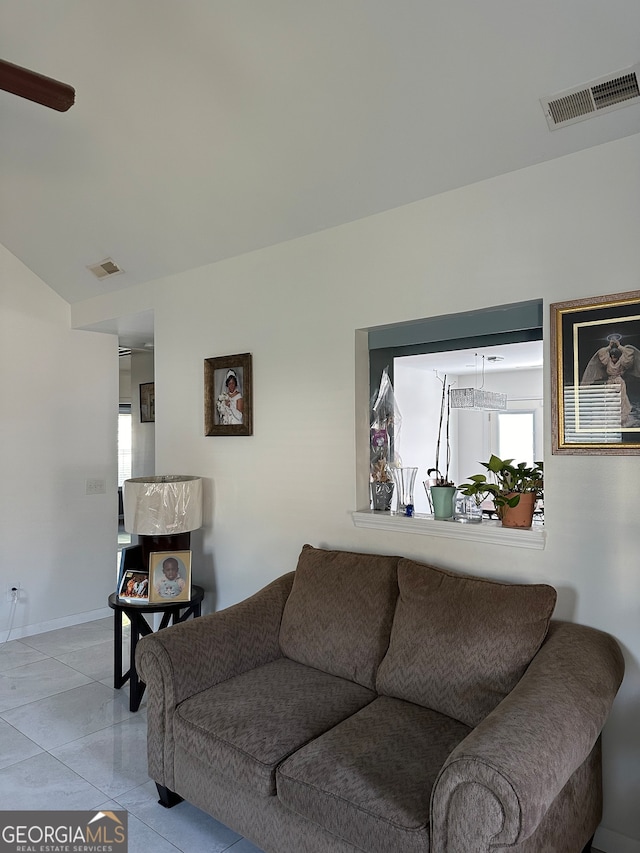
(560, 230)
(59, 399)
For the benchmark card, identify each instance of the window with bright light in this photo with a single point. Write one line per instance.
(516, 436)
(124, 444)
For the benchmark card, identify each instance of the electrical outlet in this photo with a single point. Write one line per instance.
(13, 592)
(96, 486)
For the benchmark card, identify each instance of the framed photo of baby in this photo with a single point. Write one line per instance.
(228, 395)
(169, 577)
(595, 375)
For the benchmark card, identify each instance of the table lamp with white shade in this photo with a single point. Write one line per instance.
(162, 511)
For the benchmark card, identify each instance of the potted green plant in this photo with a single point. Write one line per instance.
(513, 488)
(443, 490)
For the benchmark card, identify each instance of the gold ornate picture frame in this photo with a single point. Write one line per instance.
(595, 378)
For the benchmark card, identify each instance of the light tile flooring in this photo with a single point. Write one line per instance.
(69, 741)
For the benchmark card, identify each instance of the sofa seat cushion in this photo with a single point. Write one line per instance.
(339, 613)
(460, 644)
(246, 726)
(369, 779)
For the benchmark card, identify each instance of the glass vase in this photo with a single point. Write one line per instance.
(404, 478)
(467, 511)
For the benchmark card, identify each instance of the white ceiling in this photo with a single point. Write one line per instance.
(203, 129)
(469, 362)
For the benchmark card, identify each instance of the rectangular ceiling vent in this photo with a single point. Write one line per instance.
(600, 96)
(105, 268)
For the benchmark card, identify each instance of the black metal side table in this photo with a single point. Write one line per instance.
(171, 613)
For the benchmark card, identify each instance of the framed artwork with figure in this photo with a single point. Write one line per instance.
(228, 395)
(595, 378)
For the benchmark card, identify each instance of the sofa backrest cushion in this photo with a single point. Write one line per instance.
(460, 644)
(338, 616)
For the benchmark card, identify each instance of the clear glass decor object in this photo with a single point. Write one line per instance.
(468, 510)
(404, 479)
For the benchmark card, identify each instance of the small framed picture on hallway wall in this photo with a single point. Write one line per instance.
(228, 395)
(147, 402)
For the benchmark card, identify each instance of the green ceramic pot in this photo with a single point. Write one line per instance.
(442, 500)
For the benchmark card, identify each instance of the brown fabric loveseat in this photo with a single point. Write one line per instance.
(372, 703)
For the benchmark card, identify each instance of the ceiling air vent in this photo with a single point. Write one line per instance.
(105, 268)
(599, 96)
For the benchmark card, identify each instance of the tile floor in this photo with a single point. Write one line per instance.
(69, 741)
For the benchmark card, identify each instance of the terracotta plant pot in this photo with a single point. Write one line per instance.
(520, 515)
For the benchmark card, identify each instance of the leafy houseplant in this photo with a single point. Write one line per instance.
(508, 485)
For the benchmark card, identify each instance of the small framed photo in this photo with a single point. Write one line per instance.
(134, 586)
(169, 577)
(228, 395)
(147, 402)
(595, 375)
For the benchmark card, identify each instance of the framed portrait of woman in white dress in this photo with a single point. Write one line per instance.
(228, 405)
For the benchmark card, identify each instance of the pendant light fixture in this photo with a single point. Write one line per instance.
(477, 399)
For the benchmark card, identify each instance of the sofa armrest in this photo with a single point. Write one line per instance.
(195, 655)
(499, 782)
(190, 657)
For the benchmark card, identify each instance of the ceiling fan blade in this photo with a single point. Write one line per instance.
(36, 87)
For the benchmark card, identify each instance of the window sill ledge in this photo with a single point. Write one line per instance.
(490, 532)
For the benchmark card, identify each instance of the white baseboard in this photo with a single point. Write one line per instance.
(54, 624)
(613, 842)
